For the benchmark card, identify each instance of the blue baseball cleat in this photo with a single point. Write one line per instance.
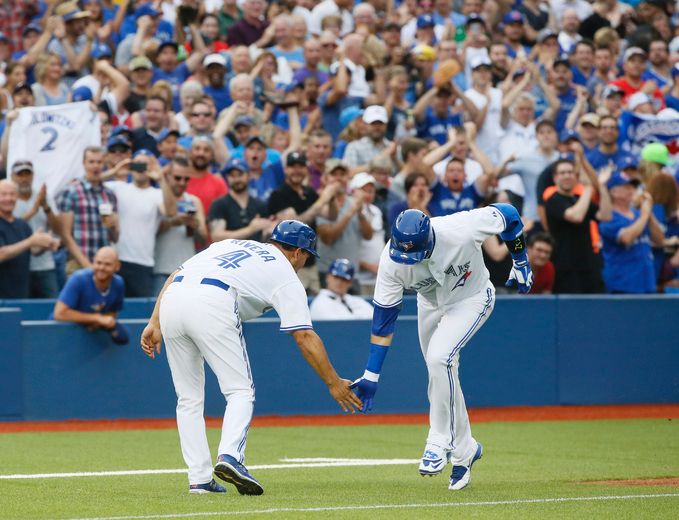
(230, 470)
(462, 475)
(434, 460)
(210, 487)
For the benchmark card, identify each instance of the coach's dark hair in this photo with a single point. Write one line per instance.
(541, 237)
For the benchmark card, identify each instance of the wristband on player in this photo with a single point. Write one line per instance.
(517, 248)
(375, 361)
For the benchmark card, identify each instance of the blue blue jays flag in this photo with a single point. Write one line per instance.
(637, 130)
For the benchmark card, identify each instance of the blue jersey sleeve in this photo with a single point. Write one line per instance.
(384, 319)
(512, 221)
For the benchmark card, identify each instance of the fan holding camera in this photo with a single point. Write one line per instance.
(140, 209)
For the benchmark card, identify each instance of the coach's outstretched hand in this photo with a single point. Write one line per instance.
(365, 390)
(341, 392)
(151, 340)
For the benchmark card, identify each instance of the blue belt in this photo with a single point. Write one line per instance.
(206, 281)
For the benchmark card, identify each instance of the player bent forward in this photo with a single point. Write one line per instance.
(199, 313)
(441, 259)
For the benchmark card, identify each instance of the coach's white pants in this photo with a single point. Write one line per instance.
(443, 332)
(201, 322)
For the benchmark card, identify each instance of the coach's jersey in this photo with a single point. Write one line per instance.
(454, 271)
(260, 274)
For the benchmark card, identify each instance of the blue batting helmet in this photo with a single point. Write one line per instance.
(342, 268)
(297, 234)
(412, 237)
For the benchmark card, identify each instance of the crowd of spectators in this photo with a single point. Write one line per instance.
(220, 118)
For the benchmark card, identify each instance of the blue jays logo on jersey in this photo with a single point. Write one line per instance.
(461, 280)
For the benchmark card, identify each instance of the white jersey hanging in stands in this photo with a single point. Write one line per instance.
(54, 139)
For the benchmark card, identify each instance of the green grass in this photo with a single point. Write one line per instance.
(521, 461)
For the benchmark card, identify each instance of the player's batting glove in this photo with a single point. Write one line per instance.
(365, 390)
(520, 276)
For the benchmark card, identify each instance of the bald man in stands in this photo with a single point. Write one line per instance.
(93, 296)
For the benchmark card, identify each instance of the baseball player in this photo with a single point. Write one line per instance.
(441, 259)
(199, 313)
(334, 303)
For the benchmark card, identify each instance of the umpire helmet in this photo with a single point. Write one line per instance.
(342, 268)
(296, 234)
(412, 237)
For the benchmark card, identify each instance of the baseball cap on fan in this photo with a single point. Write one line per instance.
(214, 59)
(633, 51)
(361, 179)
(375, 114)
(481, 60)
(621, 179)
(23, 165)
(295, 158)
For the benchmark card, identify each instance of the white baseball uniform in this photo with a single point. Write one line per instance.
(200, 318)
(455, 297)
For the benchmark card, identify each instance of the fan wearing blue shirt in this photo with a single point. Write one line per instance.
(583, 62)
(169, 69)
(450, 195)
(434, 116)
(627, 239)
(215, 70)
(659, 63)
(607, 150)
(672, 97)
(562, 79)
(93, 297)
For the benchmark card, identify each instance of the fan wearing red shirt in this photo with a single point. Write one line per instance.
(203, 184)
(634, 65)
(540, 247)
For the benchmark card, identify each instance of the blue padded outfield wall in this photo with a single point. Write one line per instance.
(532, 351)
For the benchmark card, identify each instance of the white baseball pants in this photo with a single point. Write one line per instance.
(201, 323)
(443, 332)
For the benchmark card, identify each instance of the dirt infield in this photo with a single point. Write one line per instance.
(509, 414)
(667, 481)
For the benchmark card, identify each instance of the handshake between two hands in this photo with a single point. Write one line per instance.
(365, 391)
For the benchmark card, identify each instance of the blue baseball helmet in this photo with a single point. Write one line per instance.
(412, 237)
(342, 268)
(296, 234)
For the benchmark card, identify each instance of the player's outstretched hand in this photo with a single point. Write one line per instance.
(151, 340)
(521, 276)
(365, 390)
(341, 392)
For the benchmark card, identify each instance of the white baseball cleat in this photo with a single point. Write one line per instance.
(462, 474)
(434, 460)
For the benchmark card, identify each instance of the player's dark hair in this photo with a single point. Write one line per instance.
(541, 237)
